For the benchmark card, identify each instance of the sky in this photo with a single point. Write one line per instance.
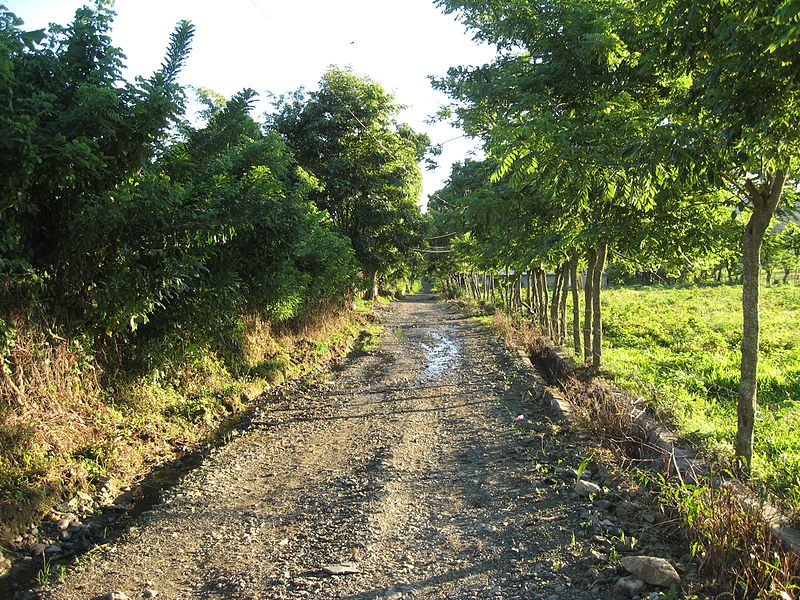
(277, 46)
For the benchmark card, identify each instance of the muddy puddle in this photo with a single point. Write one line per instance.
(439, 355)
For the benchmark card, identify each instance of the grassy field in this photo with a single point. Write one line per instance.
(678, 347)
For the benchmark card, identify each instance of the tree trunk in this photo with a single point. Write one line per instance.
(507, 288)
(554, 305)
(765, 201)
(545, 319)
(576, 309)
(529, 293)
(597, 317)
(372, 291)
(587, 305)
(473, 286)
(562, 309)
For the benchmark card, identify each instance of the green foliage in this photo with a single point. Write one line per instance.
(635, 126)
(151, 269)
(346, 135)
(71, 132)
(152, 244)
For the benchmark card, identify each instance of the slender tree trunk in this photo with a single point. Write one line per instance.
(545, 303)
(576, 309)
(372, 291)
(473, 286)
(764, 205)
(507, 288)
(534, 283)
(588, 295)
(529, 293)
(597, 316)
(558, 294)
(562, 310)
(554, 305)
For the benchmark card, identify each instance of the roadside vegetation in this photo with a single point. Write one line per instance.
(677, 346)
(157, 274)
(639, 142)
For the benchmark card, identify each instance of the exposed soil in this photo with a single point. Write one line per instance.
(409, 473)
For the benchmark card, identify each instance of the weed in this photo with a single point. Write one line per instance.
(732, 543)
(65, 422)
(582, 467)
(45, 573)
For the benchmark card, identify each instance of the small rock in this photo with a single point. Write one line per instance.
(70, 506)
(62, 524)
(584, 488)
(341, 569)
(148, 593)
(37, 549)
(653, 570)
(5, 565)
(629, 586)
(116, 595)
(53, 549)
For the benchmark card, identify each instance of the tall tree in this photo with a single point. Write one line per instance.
(346, 135)
(71, 130)
(734, 121)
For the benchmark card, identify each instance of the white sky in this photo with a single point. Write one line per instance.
(278, 45)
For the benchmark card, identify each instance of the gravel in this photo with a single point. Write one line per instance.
(407, 474)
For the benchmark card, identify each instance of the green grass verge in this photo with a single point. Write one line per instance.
(78, 433)
(678, 347)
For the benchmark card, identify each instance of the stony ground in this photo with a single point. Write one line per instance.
(409, 474)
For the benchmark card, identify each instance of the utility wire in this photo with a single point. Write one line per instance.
(259, 9)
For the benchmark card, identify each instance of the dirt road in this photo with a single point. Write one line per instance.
(407, 473)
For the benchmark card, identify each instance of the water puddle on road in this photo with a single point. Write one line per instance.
(440, 355)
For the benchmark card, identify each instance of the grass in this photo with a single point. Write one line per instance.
(75, 426)
(678, 347)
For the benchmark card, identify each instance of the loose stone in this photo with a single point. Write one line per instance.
(585, 488)
(653, 570)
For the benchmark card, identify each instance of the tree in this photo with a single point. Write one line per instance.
(734, 124)
(153, 238)
(556, 109)
(71, 130)
(346, 135)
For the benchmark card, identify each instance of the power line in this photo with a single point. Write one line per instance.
(259, 9)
